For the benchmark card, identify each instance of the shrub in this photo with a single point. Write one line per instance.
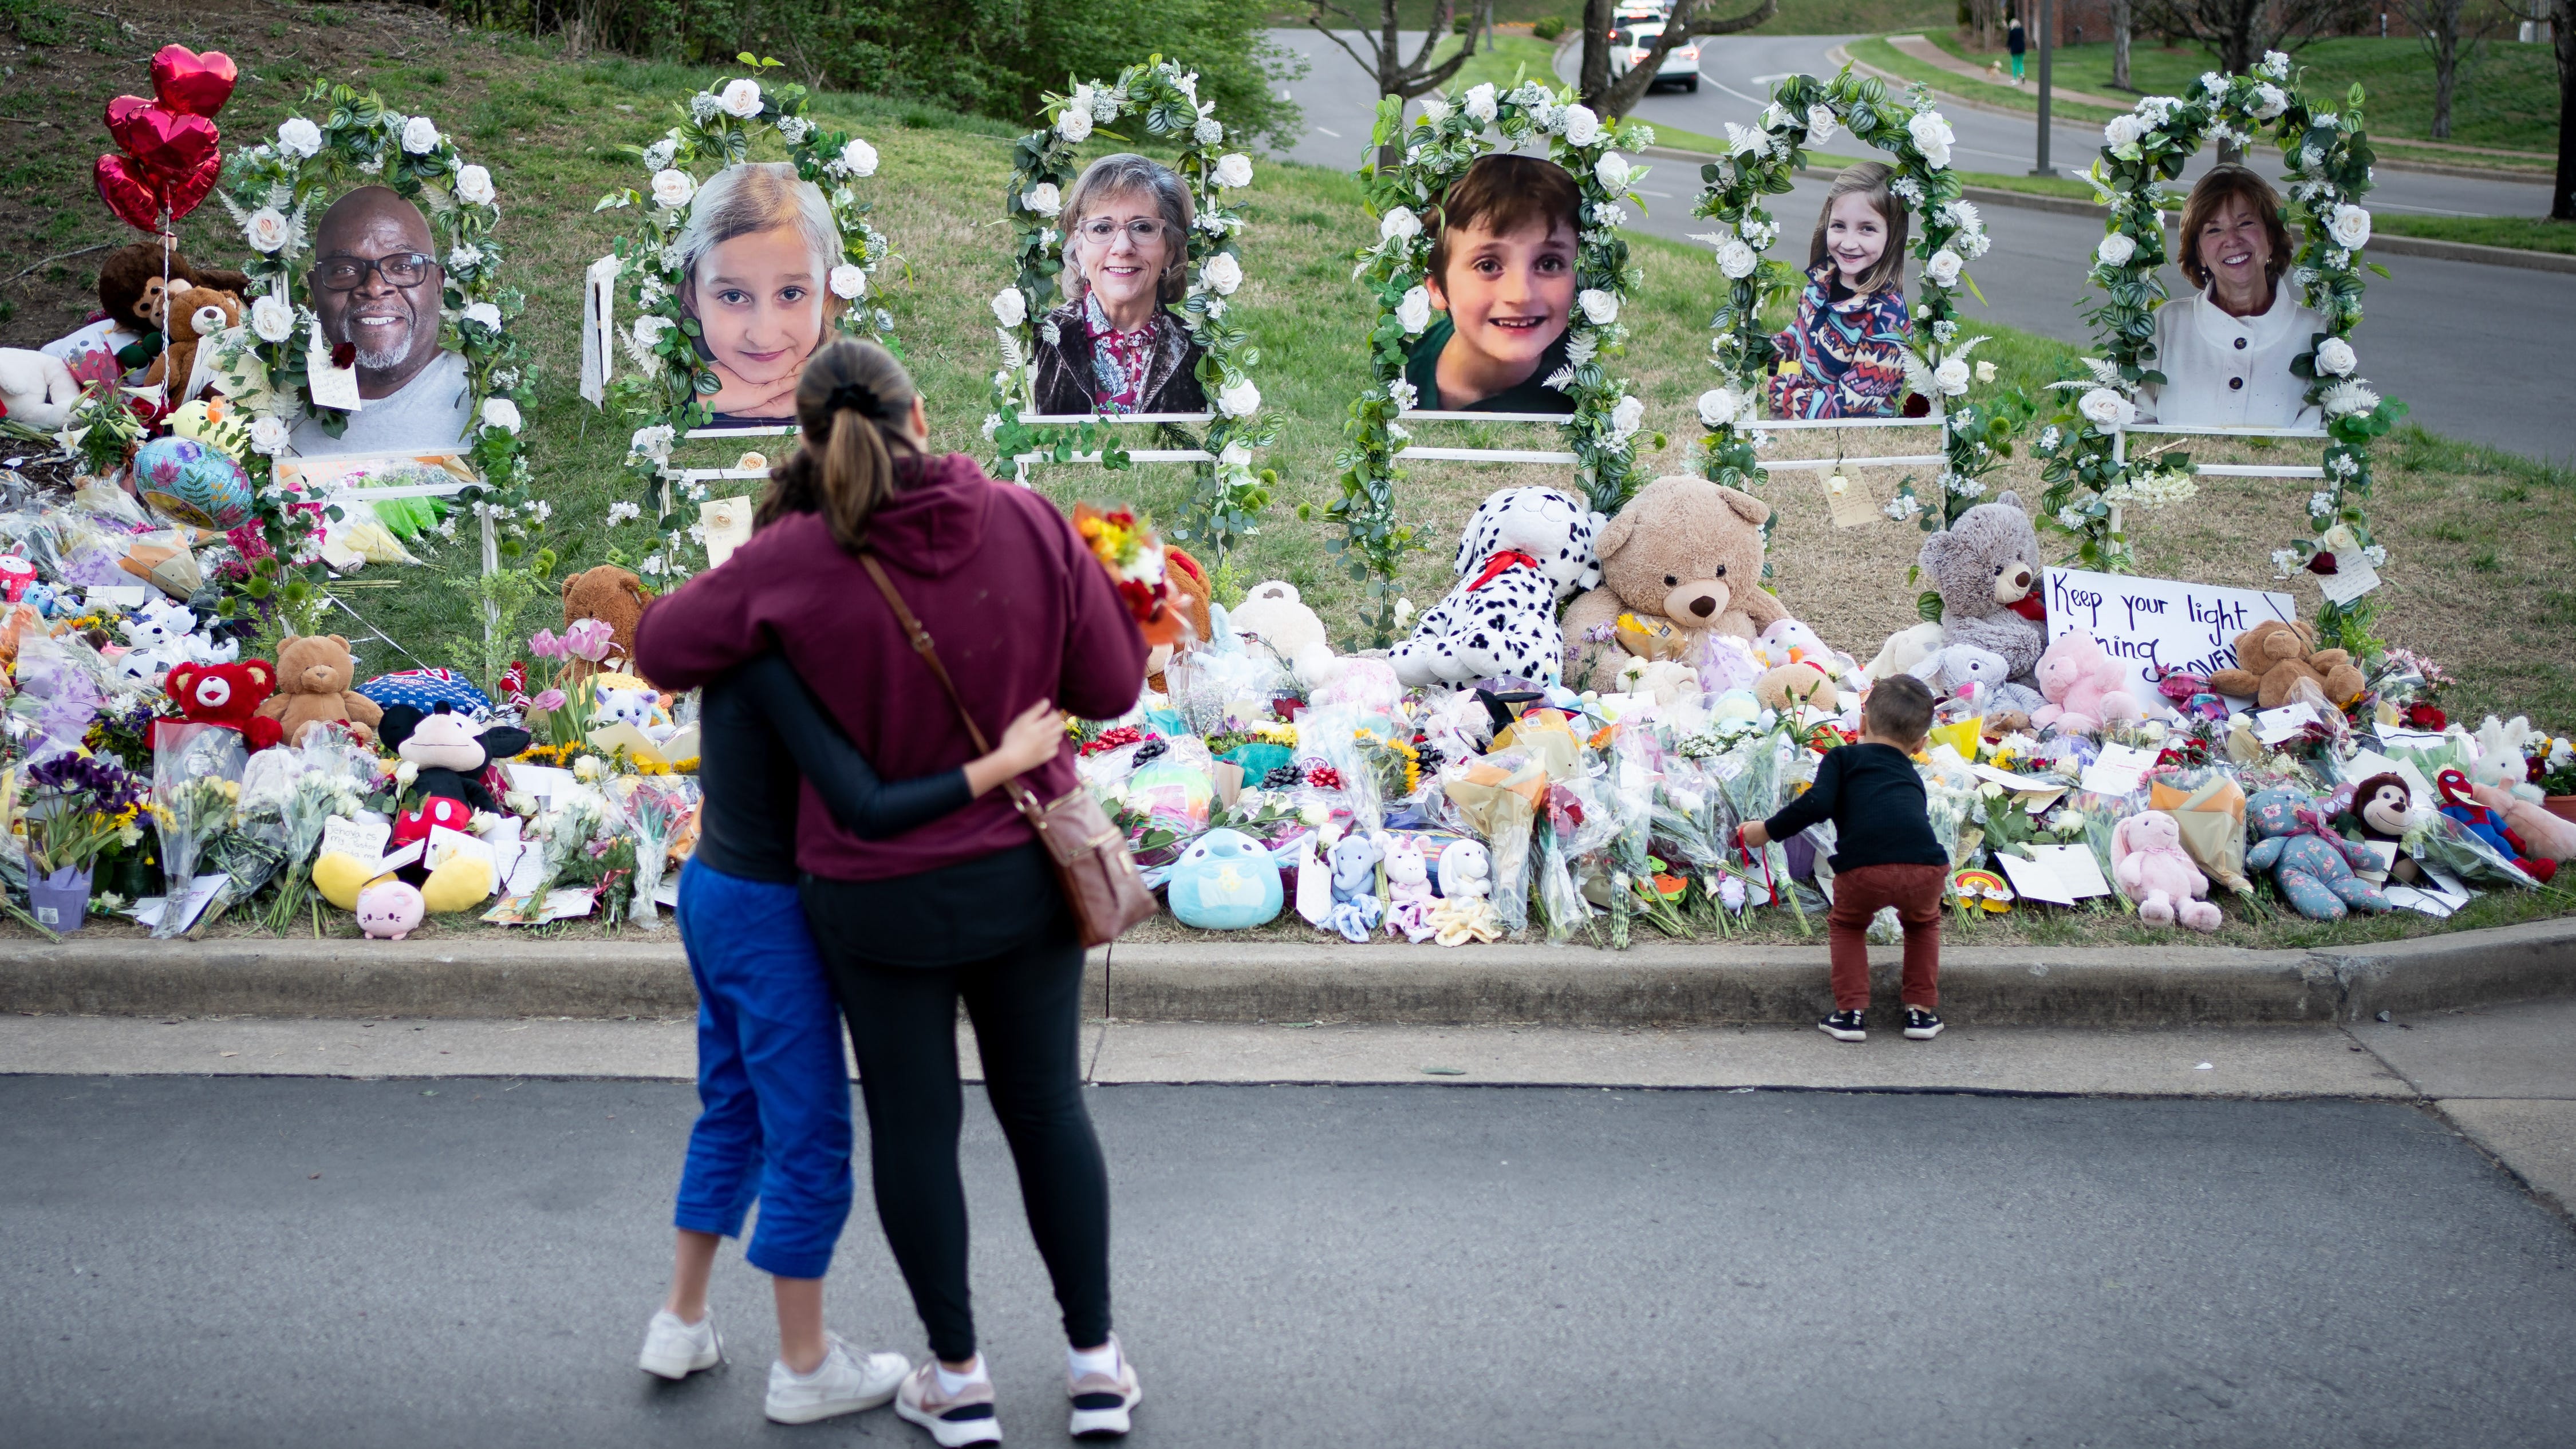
(1549, 27)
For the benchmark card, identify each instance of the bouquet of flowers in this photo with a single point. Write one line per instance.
(77, 806)
(566, 701)
(196, 784)
(654, 810)
(1127, 547)
(288, 795)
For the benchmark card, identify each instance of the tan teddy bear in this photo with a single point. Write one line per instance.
(196, 315)
(2273, 656)
(1684, 557)
(614, 596)
(313, 678)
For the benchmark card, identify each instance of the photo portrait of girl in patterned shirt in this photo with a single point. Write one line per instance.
(1844, 356)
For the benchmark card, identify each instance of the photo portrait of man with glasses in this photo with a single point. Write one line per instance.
(375, 287)
(1112, 347)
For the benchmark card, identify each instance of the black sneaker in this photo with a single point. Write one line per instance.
(1921, 1025)
(1845, 1026)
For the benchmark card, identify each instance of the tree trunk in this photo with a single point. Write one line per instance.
(2562, 203)
(1593, 76)
(2120, 44)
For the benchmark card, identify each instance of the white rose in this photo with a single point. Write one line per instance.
(1582, 127)
(653, 442)
(1414, 312)
(1074, 125)
(1399, 224)
(299, 138)
(1735, 259)
(2123, 130)
(1612, 171)
(2334, 357)
(859, 158)
(474, 186)
(848, 282)
(1599, 308)
(482, 314)
(1480, 104)
(2116, 249)
(272, 319)
(1234, 171)
(2274, 64)
(740, 99)
(1985, 372)
(1010, 307)
(649, 329)
(1239, 399)
(268, 435)
(500, 412)
(1627, 417)
(1718, 406)
(673, 187)
(419, 136)
(1943, 268)
(2105, 407)
(2269, 101)
(2349, 225)
(1932, 136)
(267, 230)
(1820, 124)
(1222, 274)
(1044, 199)
(1951, 376)
(1234, 455)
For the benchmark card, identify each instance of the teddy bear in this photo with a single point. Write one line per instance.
(1356, 908)
(2148, 860)
(2085, 686)
(1408, 889)
(2273, 656)
(130, 294)
(1985, 567)
(451, 757)
(1523, 552)
(1973, 681)
(615, 597)
(196, 316)
(230, 695)
(314, 674)
(36, 391)
(1273, 619)
(2312, 865)
(1683, 555)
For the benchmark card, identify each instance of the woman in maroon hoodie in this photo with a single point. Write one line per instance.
(966, 906)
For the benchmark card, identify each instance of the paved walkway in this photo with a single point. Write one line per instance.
(1920, 48)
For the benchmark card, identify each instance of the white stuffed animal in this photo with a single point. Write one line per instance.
(1903, 650)
(1970, 680)
(206, 649)
(36, 390)
(1273, 617)
(1524, 553)
(2501, 762)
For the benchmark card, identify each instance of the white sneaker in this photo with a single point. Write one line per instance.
(1101, 1401)
(843, 1383)
(954, 1420)
(676, 1350)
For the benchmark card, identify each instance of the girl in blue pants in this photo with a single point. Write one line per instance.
(771, 1075)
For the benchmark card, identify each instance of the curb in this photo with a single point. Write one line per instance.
(1654, 984)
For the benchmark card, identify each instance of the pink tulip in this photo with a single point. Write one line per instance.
(545, 645)
(549, 701)
(587, 639)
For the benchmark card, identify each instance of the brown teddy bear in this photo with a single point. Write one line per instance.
(1684, 556)
(615, 597)
(196, 315)
(129, 292)
(313, 678)
(2273, 656)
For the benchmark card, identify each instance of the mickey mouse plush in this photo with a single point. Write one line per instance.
(228, 695)
(453, 759)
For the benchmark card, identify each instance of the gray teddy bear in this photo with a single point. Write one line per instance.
(1983, 566)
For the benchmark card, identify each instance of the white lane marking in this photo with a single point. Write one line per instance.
(1767, 80)
(1328, 131)
(1658, 195)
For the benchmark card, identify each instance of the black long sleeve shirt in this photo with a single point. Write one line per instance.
(1877, 804)
(747, 823)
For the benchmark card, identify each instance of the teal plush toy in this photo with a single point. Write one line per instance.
(1225, 881)
(2311, 864)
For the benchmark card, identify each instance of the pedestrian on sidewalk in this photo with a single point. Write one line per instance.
(967, 907)
(776, 1124)
(1884, 855)
(2016, 43)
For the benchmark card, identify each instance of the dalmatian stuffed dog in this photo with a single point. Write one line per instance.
(1525, 552)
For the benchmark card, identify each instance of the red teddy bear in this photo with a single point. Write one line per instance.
(228, 695)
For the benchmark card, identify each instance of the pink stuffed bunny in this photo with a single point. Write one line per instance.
(2148, 860)
(2083, 685)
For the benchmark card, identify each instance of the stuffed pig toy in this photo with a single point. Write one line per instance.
(2086, 687)
(2152, 867)
(390, 910)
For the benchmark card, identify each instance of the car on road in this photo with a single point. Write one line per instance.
(1631, 43)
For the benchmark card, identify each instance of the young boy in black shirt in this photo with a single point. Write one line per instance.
(1884, 856)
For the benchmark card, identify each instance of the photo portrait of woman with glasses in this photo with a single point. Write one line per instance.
(375, 288)
(1112, 347)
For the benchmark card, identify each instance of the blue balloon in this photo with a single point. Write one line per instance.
(198, 485)
(1225, 881)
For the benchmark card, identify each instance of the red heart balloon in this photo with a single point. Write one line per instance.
(182, 193)
(128, 191)
(173, 143)
(197, 85)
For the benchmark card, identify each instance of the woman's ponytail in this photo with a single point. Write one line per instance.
(851, 403)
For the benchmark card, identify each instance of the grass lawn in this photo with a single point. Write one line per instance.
(2531, 233)
(2507, 98)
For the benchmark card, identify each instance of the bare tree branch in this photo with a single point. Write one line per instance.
(1614, 99)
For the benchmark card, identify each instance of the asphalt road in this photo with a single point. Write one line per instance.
(265, 1260)
(2436, 334)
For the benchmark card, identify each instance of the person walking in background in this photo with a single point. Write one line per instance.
(2015, 42)
(966, 907)
(776, 1124)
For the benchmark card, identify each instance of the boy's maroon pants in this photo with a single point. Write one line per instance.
(1915, 891)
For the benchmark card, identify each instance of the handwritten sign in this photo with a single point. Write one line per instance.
(2151, 625)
